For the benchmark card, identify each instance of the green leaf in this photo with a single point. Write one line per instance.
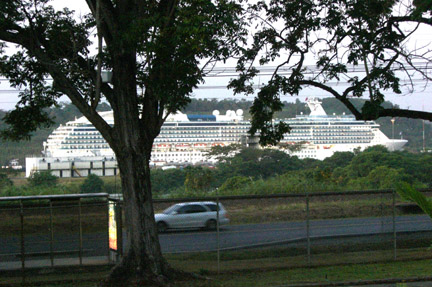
(409, 193)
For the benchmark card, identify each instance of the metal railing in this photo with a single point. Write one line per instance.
(277, 231)
(309, 229)
(51, 230)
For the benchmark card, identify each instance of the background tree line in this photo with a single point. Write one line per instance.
(267, 171)
(257, 171)
(411, 129)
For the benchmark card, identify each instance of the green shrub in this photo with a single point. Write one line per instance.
(43, 178)
(5, 181)
(235, 182)
(27, 190)
(92, 184)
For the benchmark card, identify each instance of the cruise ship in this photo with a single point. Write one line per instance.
(185, 138)
(319, 135)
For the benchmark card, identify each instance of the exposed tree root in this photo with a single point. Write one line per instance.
(125, 275)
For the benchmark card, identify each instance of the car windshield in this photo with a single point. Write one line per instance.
(170, 209)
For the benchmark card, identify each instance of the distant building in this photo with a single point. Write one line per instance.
(72, 167)
(13, 164)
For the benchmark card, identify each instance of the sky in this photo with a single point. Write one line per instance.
(215, 87)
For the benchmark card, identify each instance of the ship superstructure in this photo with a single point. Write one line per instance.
(185, 139)
(319, 135)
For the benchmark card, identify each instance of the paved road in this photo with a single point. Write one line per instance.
(231, 237)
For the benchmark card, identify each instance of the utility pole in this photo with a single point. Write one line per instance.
(424, 138)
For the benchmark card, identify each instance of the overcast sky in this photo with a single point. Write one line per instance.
(419, 99)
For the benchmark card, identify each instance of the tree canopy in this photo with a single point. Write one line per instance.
(320, 43)
(157, 52)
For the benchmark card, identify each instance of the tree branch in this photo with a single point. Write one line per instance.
(398, 19)
(338, 96)
(109, 23)
(65, 85)
(405, 113)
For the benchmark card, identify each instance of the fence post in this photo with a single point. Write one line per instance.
(22, 238)
(308, 229)
(108, 227)
(119, 223)
(217, 234)
(394, 226)
(382, 212)
(51, 234)
(80, 232)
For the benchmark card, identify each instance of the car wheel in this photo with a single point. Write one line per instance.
(211, 224)
(162, 226)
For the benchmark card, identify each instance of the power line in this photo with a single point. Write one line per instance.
(219, 72)
(222, 87)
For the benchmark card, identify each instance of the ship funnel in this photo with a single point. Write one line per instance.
(316, 108)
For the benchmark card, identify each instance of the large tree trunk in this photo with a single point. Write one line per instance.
(142, 263)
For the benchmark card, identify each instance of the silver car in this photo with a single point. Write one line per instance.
(191, 215)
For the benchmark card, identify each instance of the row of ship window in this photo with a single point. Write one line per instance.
(168, 135)
(204, 128)
(331, 138)
(177, 155)
(203, 132)
(92, 130)
(58, 133)
(326, 124)
(348, 131)
(307, 156)
(85, 147)
(86, 135)
(206, 140)
(341, 141)
(198, 137)
(84, 142)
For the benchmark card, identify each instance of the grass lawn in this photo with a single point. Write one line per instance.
(354, 272)
(85, 277)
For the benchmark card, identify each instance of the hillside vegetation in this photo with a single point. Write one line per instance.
(263, 171)
(269, 171)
